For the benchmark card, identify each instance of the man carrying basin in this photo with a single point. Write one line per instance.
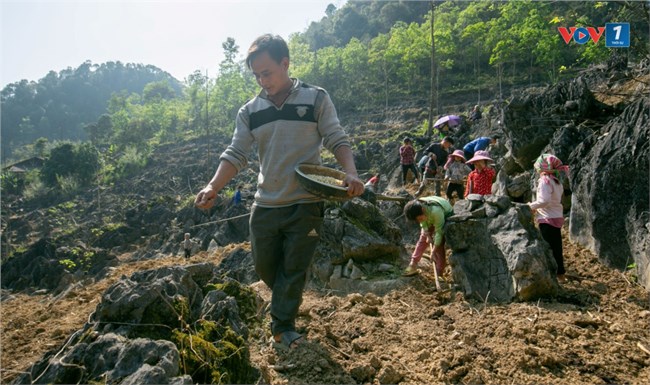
(289, 121)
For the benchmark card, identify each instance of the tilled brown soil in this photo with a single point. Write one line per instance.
(595, 332)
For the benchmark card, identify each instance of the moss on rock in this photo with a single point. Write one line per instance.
(214, 354)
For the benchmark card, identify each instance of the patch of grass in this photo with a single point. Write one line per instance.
(245, 297)
(214, 354)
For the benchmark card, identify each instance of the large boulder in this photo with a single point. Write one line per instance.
(170, 295)
(141, 330)
(610, 179)
(497, 252)
(113, 359)
(357, 231)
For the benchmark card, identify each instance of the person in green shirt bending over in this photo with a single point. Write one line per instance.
(431, 213)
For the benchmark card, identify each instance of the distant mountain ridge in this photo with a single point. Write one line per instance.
(60, 104)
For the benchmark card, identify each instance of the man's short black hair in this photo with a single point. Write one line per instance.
(495, 137)
(413, 209)
(273, 44)
(448, 139)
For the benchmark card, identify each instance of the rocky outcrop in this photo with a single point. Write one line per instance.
(239, 265)
(607, 196)
(497, 253)
(235, 230)
(356, 232)
(51, 267)
(610, 182)
(537, 121)
(151, 217)
(114, 359)
(142, 328)
(531, 119)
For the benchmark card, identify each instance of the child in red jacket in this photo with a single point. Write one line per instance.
(479, 181)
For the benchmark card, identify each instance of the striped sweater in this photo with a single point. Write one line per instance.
(285, 136)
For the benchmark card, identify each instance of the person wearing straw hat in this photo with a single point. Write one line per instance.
(456, 172)
(288, 123)
(479, 181)
(548, 206)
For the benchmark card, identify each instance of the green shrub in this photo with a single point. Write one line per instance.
(11, 183)
(68, 184)
(131, 162)
(34, 190)
(68, 264)
(69, 160)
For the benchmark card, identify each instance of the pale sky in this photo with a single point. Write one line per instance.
(176, 36)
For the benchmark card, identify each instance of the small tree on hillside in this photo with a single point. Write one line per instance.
(68, 160)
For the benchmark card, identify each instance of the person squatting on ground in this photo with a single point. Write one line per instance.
(422, 164)
(431, 213)
(441, 152)
(479, 181)
(456, 172)
(407, 160)
(547, 206)
(289, 121)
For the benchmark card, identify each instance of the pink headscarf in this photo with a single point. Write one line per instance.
(551, 164)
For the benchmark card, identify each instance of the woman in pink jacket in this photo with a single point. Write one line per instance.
(548, 206)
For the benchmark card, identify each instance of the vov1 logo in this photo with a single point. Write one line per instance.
(616, 34)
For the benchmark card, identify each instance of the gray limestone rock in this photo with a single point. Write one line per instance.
(502, 258)
(610, 182)
(130, 338)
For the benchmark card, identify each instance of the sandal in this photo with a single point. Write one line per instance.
(411, 271)
(289, 339)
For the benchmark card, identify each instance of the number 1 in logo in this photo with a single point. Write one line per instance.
(617, 35)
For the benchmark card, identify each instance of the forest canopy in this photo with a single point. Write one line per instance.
(369, 55)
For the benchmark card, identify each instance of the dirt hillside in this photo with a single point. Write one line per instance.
(595, 332)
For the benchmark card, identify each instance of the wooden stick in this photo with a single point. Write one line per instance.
(404, 303)
(282, 367)
(344, 354)
(435, 270)
(640, 346)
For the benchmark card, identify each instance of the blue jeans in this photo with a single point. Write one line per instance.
(283, 241)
